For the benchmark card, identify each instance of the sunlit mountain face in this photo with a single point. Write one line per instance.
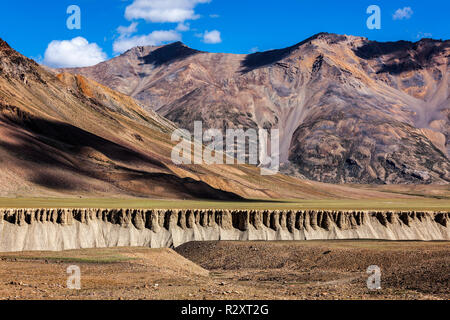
(349, 110)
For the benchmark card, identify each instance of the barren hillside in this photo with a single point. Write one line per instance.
(349, 109)
(66, 135)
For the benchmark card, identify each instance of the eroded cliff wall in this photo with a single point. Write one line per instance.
(63, 229)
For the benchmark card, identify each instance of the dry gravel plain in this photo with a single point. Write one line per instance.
(234, 270)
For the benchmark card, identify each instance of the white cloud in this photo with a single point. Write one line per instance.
(77, 52)
(212, 37)
(422, 35)
(404, 13)
(163, 10)
(155, 38)
(183, 27)
(127, 31)
(214, 16)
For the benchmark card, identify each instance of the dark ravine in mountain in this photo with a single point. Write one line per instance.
(350, 110)
(63, 229)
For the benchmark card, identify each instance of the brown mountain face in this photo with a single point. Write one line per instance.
(66, 135)
(348, 109)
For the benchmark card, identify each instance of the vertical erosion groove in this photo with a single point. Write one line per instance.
(243, 220)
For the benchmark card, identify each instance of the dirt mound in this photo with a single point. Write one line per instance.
(167, 261)
(114, 273)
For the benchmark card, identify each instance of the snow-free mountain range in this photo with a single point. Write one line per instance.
(349, 110)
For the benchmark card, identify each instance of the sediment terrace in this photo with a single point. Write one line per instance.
(64, 229)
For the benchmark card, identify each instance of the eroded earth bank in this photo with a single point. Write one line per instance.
(64, 229)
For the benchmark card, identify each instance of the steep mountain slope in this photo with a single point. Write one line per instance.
(349, 109)
(70, 135)
(67, 135)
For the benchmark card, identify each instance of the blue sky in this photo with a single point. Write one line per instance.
(232, 26)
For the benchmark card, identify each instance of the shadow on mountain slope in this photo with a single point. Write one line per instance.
(262, 59)
(60, 156)
(406, 56)
(169, 54)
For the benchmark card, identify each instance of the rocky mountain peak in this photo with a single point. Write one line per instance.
(168, 54)
(14, 65)
(348, 109)
(4, 45)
